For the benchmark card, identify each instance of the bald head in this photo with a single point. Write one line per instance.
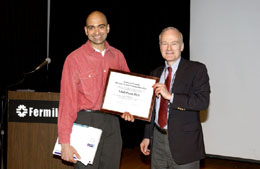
(97, 29)
(96, 16)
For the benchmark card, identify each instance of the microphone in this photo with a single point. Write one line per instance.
(47, 61)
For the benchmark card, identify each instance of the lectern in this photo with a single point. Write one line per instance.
(32, 131)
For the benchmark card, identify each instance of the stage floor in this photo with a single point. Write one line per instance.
(133, 159)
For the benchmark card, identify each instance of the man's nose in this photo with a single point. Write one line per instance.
(169, 47)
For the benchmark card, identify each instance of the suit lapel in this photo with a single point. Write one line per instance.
(179, 75)
(178, 84)
(159, 71)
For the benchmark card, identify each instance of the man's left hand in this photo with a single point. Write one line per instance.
(128, 117)
(161, 89)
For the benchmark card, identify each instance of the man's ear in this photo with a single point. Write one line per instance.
(182, 47)
(86, 30)
(108, 28)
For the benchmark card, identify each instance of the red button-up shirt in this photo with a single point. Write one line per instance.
(82, 84)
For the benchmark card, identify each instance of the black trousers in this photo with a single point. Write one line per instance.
(109, 149)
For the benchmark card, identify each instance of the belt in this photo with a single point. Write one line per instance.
(88, 110)
(163, 131)
(93, 111)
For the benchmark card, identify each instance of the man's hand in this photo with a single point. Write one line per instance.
(67, 152)
(144, 146)
(128, 117)
(161, 89)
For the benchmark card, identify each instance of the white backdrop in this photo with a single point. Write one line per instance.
(225, 35)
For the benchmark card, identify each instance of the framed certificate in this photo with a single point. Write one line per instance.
(129, 92)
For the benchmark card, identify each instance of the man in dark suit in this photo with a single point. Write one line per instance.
(175, 132)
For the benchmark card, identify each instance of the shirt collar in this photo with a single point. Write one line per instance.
(174, 66)
(102, 52)
(91, 48)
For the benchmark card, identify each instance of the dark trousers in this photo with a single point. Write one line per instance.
(109, 149)
(161, 154)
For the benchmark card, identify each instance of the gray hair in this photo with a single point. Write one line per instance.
(171, 28)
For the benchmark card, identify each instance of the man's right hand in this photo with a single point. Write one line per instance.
(144, 146)
(67, 152)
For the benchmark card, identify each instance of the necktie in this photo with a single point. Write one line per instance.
(164, 103)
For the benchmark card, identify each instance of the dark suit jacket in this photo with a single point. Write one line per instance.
(191, 95)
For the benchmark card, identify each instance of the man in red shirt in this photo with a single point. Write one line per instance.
(82, 86)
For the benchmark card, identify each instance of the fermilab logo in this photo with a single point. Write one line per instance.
(33, 111)
(22, 111)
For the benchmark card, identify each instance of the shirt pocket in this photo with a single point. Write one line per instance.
(90, 83)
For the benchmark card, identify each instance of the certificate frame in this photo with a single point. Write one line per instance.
(129, 92)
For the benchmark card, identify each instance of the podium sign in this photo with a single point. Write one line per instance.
(33, 111)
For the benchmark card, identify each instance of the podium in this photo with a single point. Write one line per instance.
(32, 131)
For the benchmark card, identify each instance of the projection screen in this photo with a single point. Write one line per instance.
(225, 35)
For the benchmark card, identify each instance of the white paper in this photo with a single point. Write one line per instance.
(128, 93)
(85, 140)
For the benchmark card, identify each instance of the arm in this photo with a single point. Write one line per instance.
(67, 112)
(148, 130)
(196, 94)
